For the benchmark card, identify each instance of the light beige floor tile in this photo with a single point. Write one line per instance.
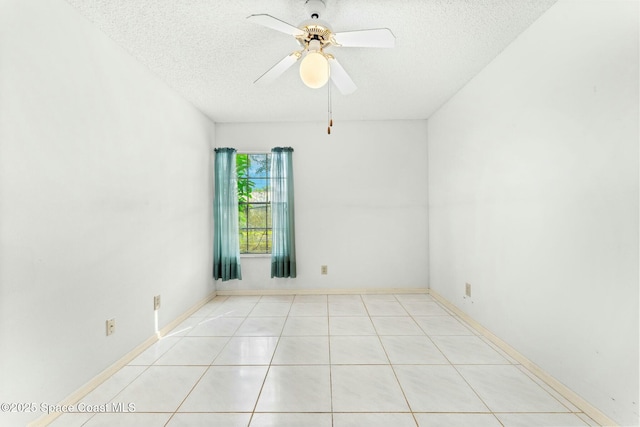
(385, 308)
(302, 351)
(128, 420)
(457, 420)
(247, 351)
(537, 420)
(266, 309)
(106, 391)
(504, 388)
(296, 389)
(412, 350)
(344, 298)
(353, 350)
(226, 389)
(392, 325)
(351, 326)
(216, 327)
(161, 388)
(467, 350)
(414, 297)
(424, 308)
(347, 309)
(209, 420)
(290, 420)
(309, 309)
(371, 388)
(310, 299)
(437, 388)
(155, 351)
(442, 325)
(193, 351)
(261, 327)
(71, 420)
(373, 420)
(305, 326)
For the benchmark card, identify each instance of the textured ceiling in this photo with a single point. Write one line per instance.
(210, 54)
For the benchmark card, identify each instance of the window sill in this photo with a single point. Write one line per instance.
(255, 255)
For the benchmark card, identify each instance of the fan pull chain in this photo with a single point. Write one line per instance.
(329, 110)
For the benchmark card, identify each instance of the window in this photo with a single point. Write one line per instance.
(254, 206)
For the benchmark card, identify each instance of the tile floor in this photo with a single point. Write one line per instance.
(326, 361)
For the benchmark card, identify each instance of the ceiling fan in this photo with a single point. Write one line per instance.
(314, 36)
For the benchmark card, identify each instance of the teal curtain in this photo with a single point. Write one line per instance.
(283, 252)
(226, 249)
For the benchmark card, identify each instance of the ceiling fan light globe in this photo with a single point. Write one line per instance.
(314, 70)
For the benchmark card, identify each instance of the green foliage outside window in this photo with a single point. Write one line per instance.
(245, 186)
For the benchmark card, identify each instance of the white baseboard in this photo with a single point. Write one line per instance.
(243, 292)
(556, 385)
(77, 395)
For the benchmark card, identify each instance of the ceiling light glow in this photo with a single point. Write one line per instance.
(314, 70)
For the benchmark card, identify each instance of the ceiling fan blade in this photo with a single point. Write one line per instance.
(275, 24)
(340, 78)
(277, 70)
(379, 37)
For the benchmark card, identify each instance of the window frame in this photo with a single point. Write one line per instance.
(243, 239)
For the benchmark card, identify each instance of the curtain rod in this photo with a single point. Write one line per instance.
(268, 151)
(250, 152)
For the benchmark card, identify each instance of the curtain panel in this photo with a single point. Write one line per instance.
(283, 252)
(226, 248)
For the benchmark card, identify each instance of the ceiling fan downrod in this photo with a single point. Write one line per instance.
(314, 8)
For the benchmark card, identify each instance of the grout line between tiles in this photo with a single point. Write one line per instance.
(187, 395)
(266, 375)
(395, 374)
(330, 364)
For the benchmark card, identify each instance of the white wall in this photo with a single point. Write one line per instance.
(105, 201)
(361, 203)
(533, 184)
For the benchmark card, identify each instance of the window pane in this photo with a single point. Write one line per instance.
(259, 195)
(244, 188)
(269, 240)
(253, 201)
(242, 216)
(243, 241)
(259, 241)
(258, 217)
(259, 166)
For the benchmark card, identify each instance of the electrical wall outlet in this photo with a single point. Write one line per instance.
(323, 269)
(156, 302)
(467, 289)
(111, 326)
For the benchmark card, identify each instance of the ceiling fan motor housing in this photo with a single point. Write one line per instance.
(314, 30)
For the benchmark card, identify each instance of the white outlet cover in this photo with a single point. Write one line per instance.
(111, 326)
